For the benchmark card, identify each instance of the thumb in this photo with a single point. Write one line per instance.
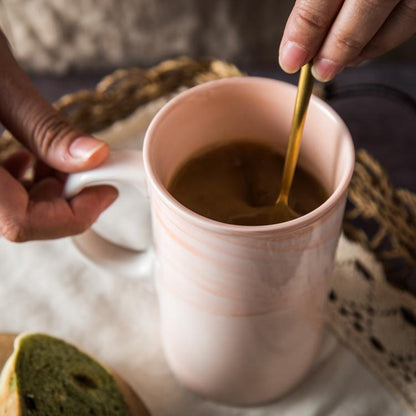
(37, 125)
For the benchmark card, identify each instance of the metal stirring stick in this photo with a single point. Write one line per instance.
(304, 92)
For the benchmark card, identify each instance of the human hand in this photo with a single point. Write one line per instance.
(36, 210)
(339, 33)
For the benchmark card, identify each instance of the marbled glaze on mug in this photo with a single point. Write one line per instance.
(242, 308)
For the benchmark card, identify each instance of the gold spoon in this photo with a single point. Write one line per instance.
(303, 95)
(281, 211)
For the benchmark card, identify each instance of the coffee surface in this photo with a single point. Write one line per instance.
(238, 183)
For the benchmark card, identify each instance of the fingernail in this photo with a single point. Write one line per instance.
(84, 147)
(325, 69)
(292, 57)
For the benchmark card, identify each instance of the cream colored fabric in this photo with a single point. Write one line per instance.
(48, 286)
(57, 35)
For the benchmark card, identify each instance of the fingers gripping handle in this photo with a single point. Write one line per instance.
(122, 166)
(125, 166)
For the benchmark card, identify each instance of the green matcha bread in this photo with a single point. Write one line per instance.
(46, 376)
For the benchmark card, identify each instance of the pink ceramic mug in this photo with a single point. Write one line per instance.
(242, 307)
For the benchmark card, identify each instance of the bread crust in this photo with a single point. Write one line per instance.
(9, 397)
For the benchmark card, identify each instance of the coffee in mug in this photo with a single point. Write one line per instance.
(238, 183)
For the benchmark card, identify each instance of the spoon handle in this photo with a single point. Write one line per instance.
(302, 100)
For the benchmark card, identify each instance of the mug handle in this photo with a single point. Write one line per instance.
(122, 166)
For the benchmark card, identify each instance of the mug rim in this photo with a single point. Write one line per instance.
(198, 219)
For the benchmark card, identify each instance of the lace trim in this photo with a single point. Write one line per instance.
(374, 319)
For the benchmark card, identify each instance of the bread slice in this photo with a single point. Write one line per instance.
(46, 376)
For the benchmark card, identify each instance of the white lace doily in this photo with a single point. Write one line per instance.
(375, 320)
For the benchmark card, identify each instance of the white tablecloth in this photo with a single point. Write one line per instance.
(48, 286)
